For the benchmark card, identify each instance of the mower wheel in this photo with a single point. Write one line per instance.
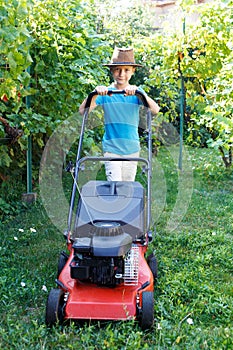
(153, 265)
(147, 310)
(54, 307)
(61, 262)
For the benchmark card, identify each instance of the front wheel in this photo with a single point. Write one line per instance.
(54, 307)
(147, 310)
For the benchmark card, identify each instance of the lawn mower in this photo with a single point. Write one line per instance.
(106, 274)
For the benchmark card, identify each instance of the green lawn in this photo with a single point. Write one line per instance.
(194, 292)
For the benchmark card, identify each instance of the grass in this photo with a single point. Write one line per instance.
(194, 293)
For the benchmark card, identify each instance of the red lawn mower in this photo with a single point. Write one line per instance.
(106, 275)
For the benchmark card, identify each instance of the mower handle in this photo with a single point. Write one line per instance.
(111, 92)
(78, 157)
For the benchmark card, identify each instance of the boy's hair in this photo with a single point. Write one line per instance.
(113, 68)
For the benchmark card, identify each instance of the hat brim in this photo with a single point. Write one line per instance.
(122, 64)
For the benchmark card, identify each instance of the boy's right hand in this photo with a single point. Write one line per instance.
(101, 90)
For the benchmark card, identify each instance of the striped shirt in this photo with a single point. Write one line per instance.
(121, 119)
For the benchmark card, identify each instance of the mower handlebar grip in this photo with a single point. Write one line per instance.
(111, 92)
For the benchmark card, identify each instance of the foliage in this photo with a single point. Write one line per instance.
(66, 55)
(59, 42)
(215, 108)
(202, 56)
(191, 312)
(15, 50)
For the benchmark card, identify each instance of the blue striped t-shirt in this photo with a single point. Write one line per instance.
(121, 118)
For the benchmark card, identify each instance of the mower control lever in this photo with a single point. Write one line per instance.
(111, 92)
(70, 167)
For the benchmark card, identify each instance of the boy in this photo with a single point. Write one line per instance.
(121, 116)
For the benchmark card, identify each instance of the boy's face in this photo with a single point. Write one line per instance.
(122, 75)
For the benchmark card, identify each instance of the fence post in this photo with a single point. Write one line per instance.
(182, 102)
(29, 196)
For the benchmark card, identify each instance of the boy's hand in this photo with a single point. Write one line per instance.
(101, 90)
(130, 90)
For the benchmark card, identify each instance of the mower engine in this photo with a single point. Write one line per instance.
(108, 271)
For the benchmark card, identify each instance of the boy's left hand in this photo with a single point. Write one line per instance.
(130, 90)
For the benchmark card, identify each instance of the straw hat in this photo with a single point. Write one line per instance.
(123, 57)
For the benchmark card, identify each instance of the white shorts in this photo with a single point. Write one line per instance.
(121, 171)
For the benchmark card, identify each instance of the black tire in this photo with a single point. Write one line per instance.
(54, 307)
(147, 311)
(61, 262)
(153, 265)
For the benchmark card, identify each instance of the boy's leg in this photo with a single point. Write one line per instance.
(113, 169)
(129, 169)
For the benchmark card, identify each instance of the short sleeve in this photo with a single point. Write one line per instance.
(99, 100)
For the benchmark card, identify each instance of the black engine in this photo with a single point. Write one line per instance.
(99, 270)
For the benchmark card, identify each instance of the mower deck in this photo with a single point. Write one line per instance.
(90, 301)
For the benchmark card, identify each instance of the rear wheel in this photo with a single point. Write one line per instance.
(153, 265)
(54, 307)
(61, 262)
(147, 310)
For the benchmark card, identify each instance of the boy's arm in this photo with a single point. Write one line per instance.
(101, 90)
(92, 106)
(131, 90)
(154, 107)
